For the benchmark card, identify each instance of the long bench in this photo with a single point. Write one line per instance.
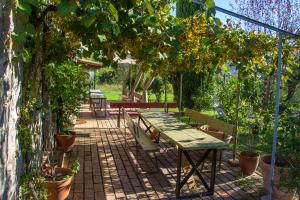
(225, 130)
(141, 137)
(122, 104)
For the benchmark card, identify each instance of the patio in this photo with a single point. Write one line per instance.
(109, 170)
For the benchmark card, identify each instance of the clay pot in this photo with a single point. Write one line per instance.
(248, 162)
(67, 142)
(265, 165)
(59, 190)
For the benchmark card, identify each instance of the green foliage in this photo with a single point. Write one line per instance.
(30, 182)
(75, 167)
(109, 76)
(28, 114)
(288, 146)
(166, 45)
(68, 86)
(65, 7)
(157, 88)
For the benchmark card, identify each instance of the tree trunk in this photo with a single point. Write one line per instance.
(10, 87)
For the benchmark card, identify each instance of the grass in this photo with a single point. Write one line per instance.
(113, 92)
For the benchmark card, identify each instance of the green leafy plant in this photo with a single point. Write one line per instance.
(75, 167)
(68, 86)
(157, 88)
(32, 186)
(289, 146)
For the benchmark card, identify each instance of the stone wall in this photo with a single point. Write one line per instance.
(10, 85)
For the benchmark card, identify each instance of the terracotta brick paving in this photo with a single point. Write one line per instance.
(113, 168)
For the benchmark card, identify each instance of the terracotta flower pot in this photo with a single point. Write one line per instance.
(248, 162)
(67, 142)
(265, 165)
(59, 190)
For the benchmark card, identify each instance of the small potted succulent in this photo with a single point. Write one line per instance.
(58, 180)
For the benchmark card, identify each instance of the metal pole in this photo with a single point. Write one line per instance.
(238, 94)
(94, 79)
(276, 115)
(180, 95)
(222, 10)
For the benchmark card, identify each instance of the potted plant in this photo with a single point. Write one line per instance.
(66, 139)
(249, 158)
(286, 179)
(58, 180)
(68, 86)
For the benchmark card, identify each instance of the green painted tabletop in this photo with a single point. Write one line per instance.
(180, 133)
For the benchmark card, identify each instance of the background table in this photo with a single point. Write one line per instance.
(98, 100)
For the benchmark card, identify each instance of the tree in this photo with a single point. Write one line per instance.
(191, 80)
(284, 14)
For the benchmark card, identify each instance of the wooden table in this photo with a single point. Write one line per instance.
(187, 139)
(98, 99)
(95, 91)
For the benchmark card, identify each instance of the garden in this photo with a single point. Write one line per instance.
(227, 73)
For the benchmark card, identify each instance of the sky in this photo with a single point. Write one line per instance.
(220, 3)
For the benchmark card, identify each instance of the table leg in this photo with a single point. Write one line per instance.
(180, 183)
(105, 107)
(213, 171)
(119, 118)
(178, 173)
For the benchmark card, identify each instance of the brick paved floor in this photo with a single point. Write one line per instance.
(110, 169)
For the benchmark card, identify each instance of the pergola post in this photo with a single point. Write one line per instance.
(180, 95)
(279, 63)
(124, 88)
(136, 83)
(94, 78)
(147, 85)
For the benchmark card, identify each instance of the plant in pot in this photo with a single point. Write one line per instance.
(58, 180)
(65, 136)
(69, 85)
(249, 157)
(286, 179)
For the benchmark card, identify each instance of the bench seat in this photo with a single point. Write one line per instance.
(133, 113)
(144, 140)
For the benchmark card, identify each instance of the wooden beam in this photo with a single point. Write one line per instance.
(147, 85)
(124, 88)
(136, 83)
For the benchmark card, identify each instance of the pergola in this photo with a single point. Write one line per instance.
(279, 66)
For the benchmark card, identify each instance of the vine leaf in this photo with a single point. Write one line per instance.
(116, 29)
(24, 8)
(29, 29)
(31, 2)
(65, 7)
(114, 11)
(19, 37)
(210, 4)
(87, 21)
(102, 38)
(149, 7)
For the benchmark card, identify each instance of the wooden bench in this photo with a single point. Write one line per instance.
(226, 130)
(141, 137)
(125, 105)
(139, 134)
